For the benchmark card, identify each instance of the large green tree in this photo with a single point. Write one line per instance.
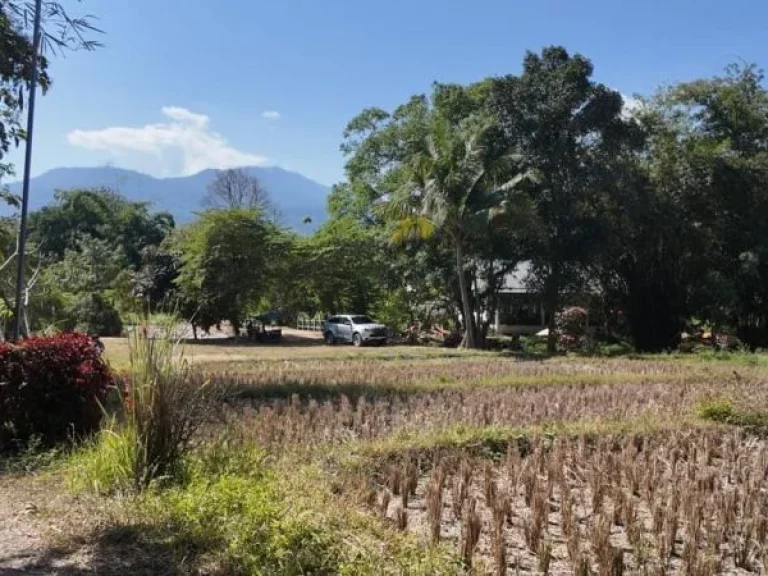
(436, 166)
(561, 122)
(126, 226)
(345, 265)
(645, 261)
(721, 126)
(224, 259)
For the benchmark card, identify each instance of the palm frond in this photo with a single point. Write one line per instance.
(412, 228)
(513, 183)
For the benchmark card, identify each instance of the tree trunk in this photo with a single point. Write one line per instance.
(551, 305)
(470, 335)
(25, 316)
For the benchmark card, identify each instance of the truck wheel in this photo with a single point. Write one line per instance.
(330, 339)
(357, 340)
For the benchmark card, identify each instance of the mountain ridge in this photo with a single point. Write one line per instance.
(295, 195)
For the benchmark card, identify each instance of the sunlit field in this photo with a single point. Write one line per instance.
(404, 460)
(570, 465)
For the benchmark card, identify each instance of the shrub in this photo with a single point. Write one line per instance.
(717, 409)
(165, 403)
(51, 388)
(226, 509)
(723, 411)
(92, 313)
(571, 326)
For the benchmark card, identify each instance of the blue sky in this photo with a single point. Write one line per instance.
(182, 85)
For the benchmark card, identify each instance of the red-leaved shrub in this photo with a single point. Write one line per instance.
(571, 325)
(51, 388)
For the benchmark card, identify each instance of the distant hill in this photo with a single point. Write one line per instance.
(296, 196)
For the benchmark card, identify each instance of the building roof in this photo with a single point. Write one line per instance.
(518, 279)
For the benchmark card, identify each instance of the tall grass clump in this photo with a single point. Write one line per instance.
(163, 404)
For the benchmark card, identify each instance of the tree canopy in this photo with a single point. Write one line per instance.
(223, 258)
(652, 216)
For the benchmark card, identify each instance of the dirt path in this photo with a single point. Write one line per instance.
(37, 519)
(20, 539)
(46, 530)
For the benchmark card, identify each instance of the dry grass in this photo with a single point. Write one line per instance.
(691, 502)
(226, 352)
(568, 466)
(307, 423)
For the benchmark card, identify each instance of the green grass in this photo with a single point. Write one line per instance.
(234, 513)
(493, 440)
(723, 410)
(155, 319)
(236, 510)
(104, 465)
(735, 358)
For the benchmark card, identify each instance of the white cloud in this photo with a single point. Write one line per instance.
(271, 114)
(187, 135)
(184, 115)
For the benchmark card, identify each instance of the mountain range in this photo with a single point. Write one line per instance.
(296, 196)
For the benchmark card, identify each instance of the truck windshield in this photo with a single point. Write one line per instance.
(361, 320)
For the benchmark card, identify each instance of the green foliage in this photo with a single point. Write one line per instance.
(162, 404)
(152, 285)
(346, 265)
(240, 519)
(230, 508)
(93, 314)
(99, 215)
(92, 265)
(15, 71)
(565, 126)
(226, 504)
(437, 167)
(717, 410)
(722, 410)
(78, 291)
(105, 465)
(224, 256)
(82, 256)
(724, 123)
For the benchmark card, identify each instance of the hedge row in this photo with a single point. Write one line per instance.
(51, 389)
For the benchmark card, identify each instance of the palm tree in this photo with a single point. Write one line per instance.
(455, 182)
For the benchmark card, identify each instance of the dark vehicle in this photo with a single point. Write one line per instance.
(256, 328)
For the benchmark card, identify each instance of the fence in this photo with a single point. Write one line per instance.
(311, 324)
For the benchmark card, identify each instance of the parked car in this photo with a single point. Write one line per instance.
(355, 328)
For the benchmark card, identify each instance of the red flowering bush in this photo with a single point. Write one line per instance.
(571, 326)
(51, 388)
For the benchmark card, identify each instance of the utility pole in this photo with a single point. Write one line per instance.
(36, 34)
